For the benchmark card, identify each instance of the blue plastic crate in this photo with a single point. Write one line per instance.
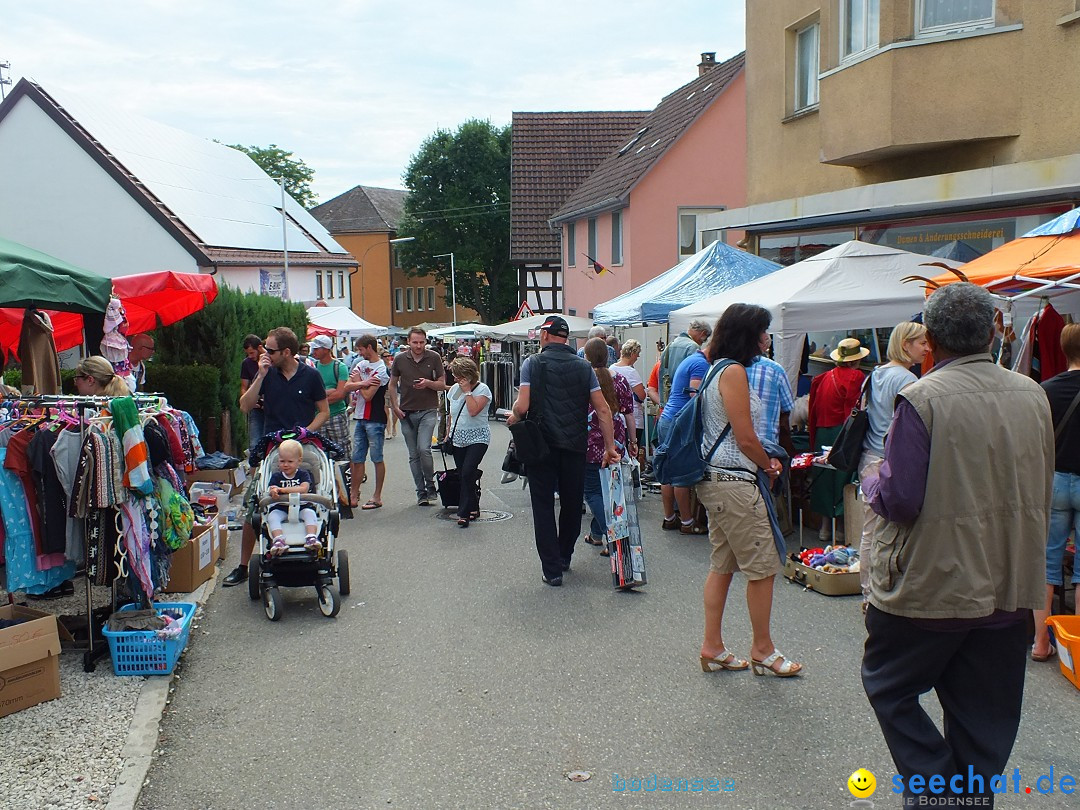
(141, 652)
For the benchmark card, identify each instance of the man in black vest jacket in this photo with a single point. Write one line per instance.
(565, 385)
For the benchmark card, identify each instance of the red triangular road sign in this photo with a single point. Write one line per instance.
(524, 311)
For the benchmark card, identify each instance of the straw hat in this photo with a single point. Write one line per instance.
(847, 350)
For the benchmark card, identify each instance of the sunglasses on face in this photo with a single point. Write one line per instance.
(272, 351)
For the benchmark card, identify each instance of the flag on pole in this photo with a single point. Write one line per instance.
(598, 268)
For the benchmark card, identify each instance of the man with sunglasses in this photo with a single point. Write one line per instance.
(293, 396)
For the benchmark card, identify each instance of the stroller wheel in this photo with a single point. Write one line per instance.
(343, 571)
(254, 575)
(329, 601)
(273, 604)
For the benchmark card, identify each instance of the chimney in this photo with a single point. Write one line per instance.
(708, 60)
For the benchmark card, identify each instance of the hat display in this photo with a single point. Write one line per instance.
(321, 342)
(556, 325)
(847, 350)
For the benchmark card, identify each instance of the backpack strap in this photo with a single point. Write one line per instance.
(1060, 426)
(715, 371)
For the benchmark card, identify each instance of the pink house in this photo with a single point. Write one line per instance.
(641, 211)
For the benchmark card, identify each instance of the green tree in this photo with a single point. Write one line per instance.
(459, 202)
(276, 162)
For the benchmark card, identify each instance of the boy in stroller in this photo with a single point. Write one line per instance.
(290, 478)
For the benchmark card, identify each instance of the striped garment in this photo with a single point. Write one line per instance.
(126, 424)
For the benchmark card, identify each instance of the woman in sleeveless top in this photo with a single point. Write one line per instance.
(739, 528)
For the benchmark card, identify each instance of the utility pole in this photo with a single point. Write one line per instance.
(4, 82)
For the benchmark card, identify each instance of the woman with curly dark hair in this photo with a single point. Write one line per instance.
(739, 528)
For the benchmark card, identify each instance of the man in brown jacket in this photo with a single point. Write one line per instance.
(958, 567)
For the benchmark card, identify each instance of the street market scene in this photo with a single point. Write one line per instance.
(688, 421)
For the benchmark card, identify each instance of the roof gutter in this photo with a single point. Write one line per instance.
(596, 208)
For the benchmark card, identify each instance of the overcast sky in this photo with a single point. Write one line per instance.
(352, 86)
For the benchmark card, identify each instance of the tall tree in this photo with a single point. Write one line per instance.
(277, 162)
(459, 202)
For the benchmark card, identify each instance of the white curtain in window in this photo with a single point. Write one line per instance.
(687, 234)
(955, 12)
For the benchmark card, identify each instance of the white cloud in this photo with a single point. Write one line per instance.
(354, 86)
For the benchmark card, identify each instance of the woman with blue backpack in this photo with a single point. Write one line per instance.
(739, 528)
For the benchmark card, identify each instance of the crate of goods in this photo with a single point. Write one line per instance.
(815, 570)
(1067, 635)
(145, 652)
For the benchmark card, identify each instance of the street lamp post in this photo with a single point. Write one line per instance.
(363, 257)
(284, 240)
(453, 283)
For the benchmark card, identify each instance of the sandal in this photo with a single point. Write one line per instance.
(593, 541)
(787, 669)
(371, 505)
(463, 523)
(1040, 658)
(278, 548)
(474, 515)
(725, 660)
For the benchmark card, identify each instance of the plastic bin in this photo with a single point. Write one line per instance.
(1067, 635)
(141, 652)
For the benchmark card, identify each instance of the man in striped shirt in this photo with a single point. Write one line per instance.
(770, 381)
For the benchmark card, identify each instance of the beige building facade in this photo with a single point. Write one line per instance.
(915, 123)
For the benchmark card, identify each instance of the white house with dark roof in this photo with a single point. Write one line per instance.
(119, 194)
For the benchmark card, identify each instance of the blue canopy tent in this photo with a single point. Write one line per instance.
(712, 270)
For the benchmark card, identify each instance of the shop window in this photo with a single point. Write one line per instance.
(943, 16)
(859, 26)
(806, 67)
(788, 248)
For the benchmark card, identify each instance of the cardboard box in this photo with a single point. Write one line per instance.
(29, 659)
(195, 561)
(235, 478)
(814, 580)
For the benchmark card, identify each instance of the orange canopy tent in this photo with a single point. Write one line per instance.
(1041, 262)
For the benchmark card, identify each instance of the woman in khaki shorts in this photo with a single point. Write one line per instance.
(739, 528)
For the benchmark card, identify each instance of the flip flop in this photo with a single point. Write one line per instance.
(1047, 657)
(371, 505)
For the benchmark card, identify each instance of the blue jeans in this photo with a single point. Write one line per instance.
(255, 419)
(594, 497)
(1064, 520)
(367, 435)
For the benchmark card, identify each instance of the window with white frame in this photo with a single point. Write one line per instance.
(431, 298)
(860, 22)
(398, 295)
(408, 299)
(571, 244)
(318, 284)
(341, 283)
(943, 16)
(592, 238)
(420, 299)
(806, 67)
(616, 237)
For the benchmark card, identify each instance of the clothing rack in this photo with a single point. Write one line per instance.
(95, 617)
(498, 373)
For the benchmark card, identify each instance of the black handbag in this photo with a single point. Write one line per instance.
(530, 446)
(510, 463)
(847, 449)
(446, 446)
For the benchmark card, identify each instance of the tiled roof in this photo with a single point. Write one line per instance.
(552, 153)
(613, 179)
(363, 209)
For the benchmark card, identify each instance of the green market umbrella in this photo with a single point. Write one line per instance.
(30, 278)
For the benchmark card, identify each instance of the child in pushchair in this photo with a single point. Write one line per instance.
(290, 478)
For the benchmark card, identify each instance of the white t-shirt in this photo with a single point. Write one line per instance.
(369, 368)
(632, 377)
(468, 429)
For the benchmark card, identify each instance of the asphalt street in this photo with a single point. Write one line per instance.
(454, 678)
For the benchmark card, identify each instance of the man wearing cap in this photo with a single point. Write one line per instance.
(684, 345)
(416, 378)
(556, 390)
(334, 375)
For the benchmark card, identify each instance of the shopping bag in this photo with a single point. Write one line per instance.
(623, 530)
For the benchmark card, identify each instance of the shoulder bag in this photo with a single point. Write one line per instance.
(530, 446)
(446, 446)
(848, 447)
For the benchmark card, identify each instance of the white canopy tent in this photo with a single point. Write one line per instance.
(527, 328)
(344, 321)
(462, 330)
(855, 285)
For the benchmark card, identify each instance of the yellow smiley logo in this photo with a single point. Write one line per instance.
(862, 784)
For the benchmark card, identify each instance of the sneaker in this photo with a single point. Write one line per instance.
(236, 576)
(423, 500)
(554, 582)
(312, 543)
(670, 524)
(279, 548)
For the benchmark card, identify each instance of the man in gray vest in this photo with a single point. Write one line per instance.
(556, 390)
(958, 566)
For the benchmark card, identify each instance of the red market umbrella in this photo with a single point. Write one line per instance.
(163, 297)
(67, 329)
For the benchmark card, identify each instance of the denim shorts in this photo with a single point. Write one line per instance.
(368, 434)
(1064, 520)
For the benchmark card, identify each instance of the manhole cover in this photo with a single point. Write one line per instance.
(486, 516)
